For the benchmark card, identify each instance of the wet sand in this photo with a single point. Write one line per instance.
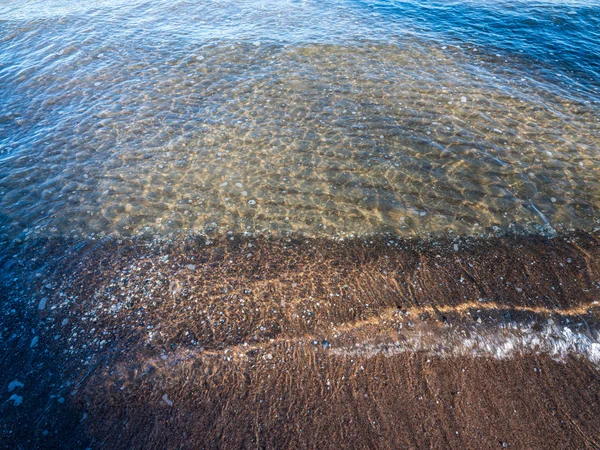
(261, 342)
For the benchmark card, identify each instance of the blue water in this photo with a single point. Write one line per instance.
(563, 36)
(123, 116)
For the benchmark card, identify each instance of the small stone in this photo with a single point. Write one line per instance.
(34, 342)
(64, 322)
(166, 399)
(42, 304)
(14, 385)
(16, 399)
(252, 202)
(553, 200)
(463, 99)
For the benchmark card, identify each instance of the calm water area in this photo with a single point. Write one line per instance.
(334, 118)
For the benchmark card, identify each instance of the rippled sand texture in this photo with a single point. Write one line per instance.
(409, 136)
(250, 343)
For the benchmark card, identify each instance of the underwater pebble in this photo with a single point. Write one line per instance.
(34, 342)
(166, 399)
(42, 304)
(14, 385)
(16, 399)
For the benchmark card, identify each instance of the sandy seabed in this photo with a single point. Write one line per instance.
(262, 342)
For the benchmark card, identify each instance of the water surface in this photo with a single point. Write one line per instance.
(325, 118)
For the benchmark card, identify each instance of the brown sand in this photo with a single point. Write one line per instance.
(245, 343)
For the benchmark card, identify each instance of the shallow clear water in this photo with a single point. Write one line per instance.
(325, 118)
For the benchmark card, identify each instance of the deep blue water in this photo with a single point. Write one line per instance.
(562, 35)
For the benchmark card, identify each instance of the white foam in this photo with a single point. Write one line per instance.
(502, 342)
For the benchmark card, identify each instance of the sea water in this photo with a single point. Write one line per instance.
(323, 118)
